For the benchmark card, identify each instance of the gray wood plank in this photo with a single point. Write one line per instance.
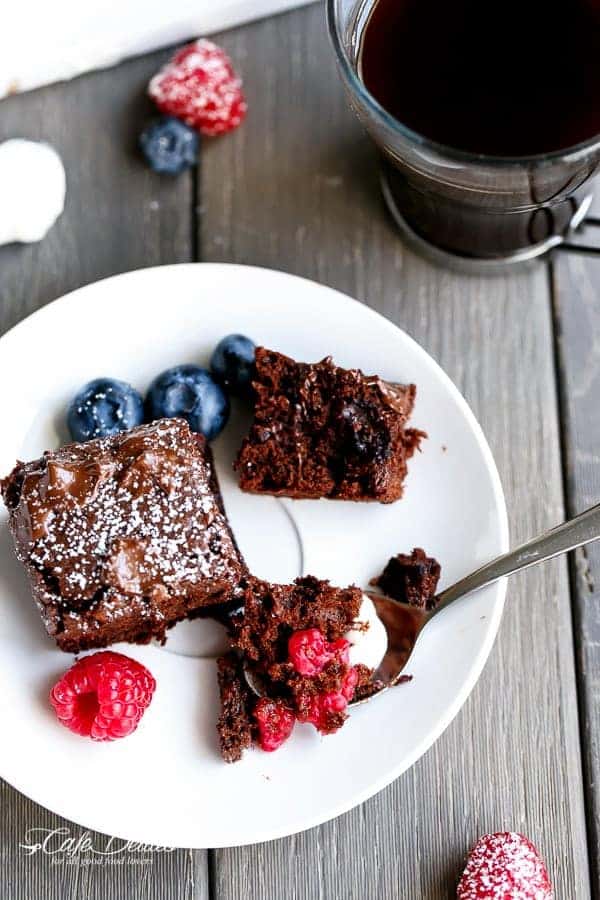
(576, 285)
(296, 188)
(118, 216)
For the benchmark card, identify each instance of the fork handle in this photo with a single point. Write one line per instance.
(583, 529)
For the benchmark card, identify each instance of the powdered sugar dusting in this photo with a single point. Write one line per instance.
(124, 522)
(200, 87)
(504, 866)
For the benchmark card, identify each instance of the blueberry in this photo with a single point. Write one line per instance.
(170, 146)
(232, 362)
(104, 407)
(362, 438)
(190, 393)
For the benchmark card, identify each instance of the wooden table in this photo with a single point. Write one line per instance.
(296, 189)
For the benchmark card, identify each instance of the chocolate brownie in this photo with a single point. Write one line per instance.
(411, 579)
(122, 536)
(234, 725)
(323, 431)
(260, 636)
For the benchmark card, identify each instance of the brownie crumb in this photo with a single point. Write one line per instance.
(411, 579)
(367, 686)
(234, 724)
(323, 431)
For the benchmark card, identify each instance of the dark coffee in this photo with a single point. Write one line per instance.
(514, 78)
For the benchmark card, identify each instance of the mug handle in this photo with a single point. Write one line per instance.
(587, 249)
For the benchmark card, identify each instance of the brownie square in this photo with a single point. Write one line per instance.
(122, 536)
(411, 579)
(323, 431)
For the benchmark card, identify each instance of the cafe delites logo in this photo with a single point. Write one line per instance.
(86, 848)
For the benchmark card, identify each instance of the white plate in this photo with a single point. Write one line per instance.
(166, 784)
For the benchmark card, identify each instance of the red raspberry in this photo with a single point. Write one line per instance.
(200, 87)
(323, 710)
(103, 696)
(504, 866)
(341, 649)
(275, 722)
(309, 652)
(349, 683)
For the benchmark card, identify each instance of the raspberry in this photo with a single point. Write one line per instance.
(326, 709)
(103, 696)
(349, 683)
(309, 652)
(200, 87)
(341, 650)
(275, 722)
(504, 866)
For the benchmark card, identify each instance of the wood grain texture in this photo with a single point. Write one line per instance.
(296, 189)
(118, 216)
(576, 286)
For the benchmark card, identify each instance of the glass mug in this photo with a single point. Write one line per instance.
(475, 211)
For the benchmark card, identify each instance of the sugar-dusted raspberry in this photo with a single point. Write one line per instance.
(275, 722)
(200, 87)
(103, 696)
(504, 866)
(309, 652)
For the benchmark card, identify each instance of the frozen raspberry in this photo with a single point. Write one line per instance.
(103, 696)
(275, 722)
(200, 87)
(309, 652)
(504, 866)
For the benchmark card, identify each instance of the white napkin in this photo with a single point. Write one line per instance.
(49, 40)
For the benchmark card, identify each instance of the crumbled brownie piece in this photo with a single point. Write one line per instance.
(411, 579)
(260, 638)
(323, 431)
(234, 725)
(272, 612)
(122, 536)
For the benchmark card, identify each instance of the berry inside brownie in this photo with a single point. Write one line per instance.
(323, 431)
(123, 536)
(295, 641)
